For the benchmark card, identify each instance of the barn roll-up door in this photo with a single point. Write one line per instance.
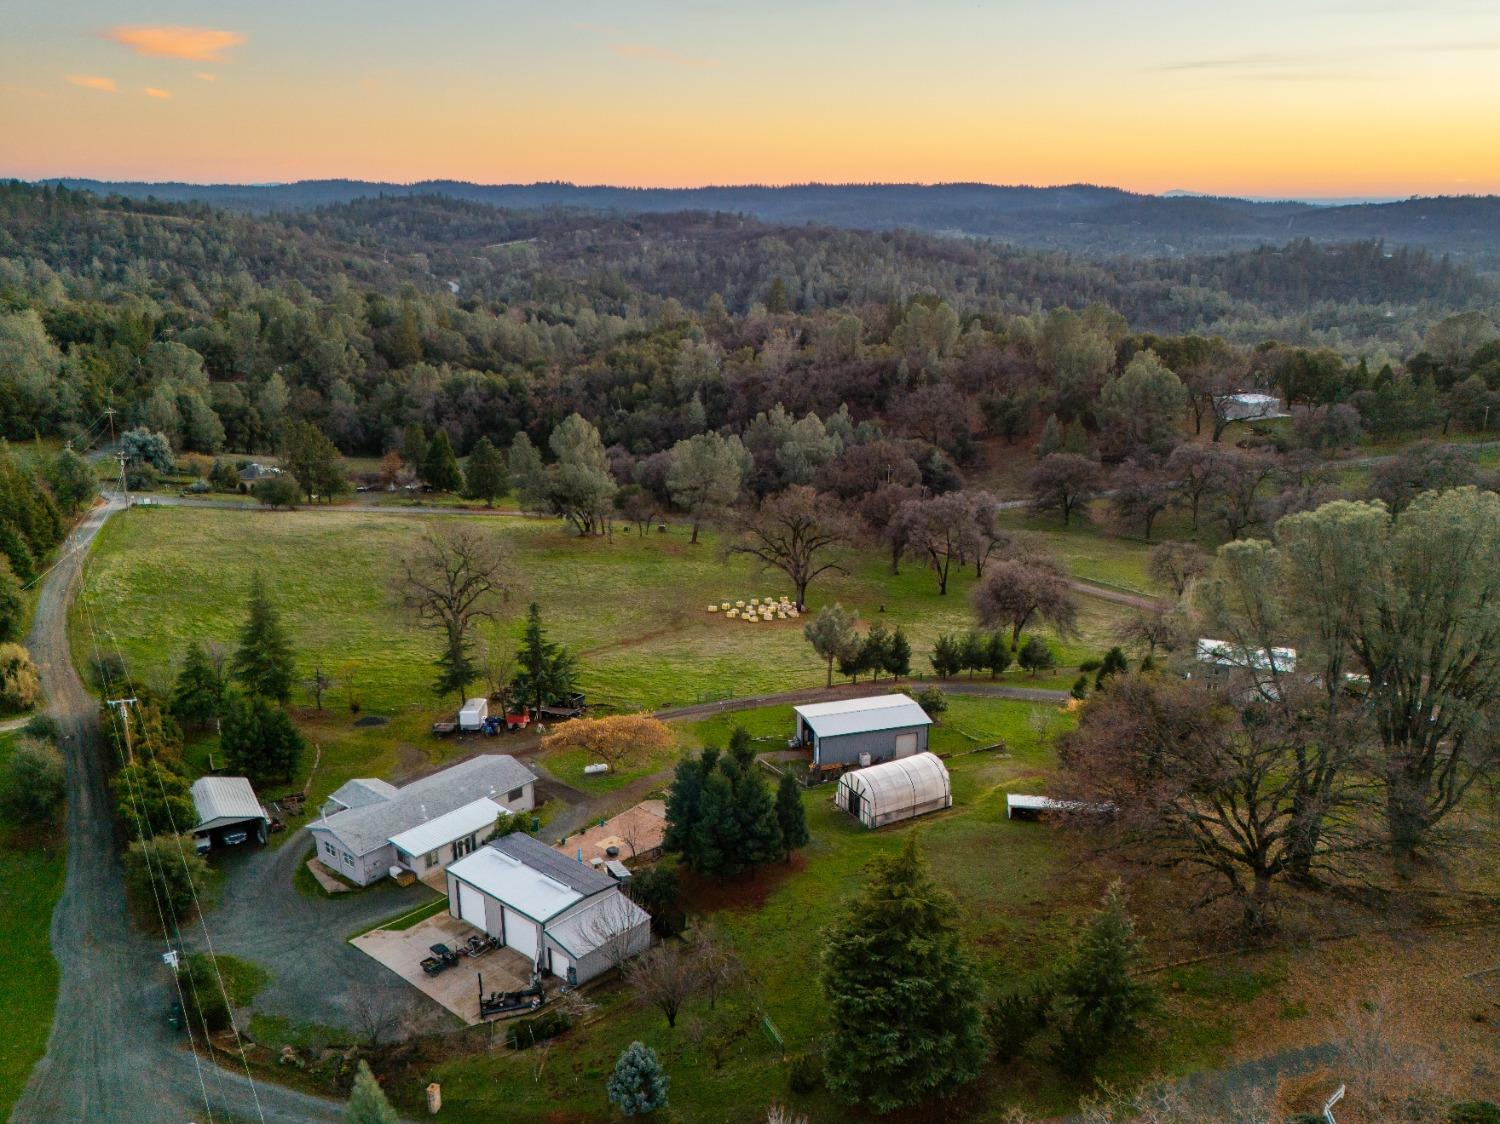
(470, 905)
(520, 933)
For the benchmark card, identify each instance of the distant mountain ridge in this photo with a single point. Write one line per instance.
(1082, 218)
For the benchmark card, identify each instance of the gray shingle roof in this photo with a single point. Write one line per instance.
(367, 828)
(362, 791)
(560, 868)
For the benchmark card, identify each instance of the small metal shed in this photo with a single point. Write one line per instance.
(896, 790)
(860, 731)
(229, 812)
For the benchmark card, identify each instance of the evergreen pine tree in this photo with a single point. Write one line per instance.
(485, 474)
(776, 299)
(1051, 440)
(199, 693)
(17, 553)
(259, 739)
(713, 848)
(974, 652)
(877, 647)
(1036, 655)
(790, 814)
(638, 1086)
(741, 747)
(414, 446)
(440, 470)
(263, 662)
(456, 669)
(899, 990)
(947, 656)
(898, 655)
(684, 803)
(544, 670)
(1096, 1002)
(755, 814)
(367, 1102)
(997, 654)
(1113, 663)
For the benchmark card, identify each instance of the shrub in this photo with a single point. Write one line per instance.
(203, 999)
(168, 870)
(19, 686)
(932, 700)
(525, 1033)
(806, 1074)
(107, 670)
(33, 783)
(42, 726)
(1015, 1019)
(1474, 1112)
(277, 491)
(1080, 687)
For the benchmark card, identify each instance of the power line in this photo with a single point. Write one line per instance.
(192, 886)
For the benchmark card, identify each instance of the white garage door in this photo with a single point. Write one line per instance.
(470, 905)
(520, 933)
(906, 744)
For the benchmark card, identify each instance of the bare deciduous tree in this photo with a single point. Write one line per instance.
(797, 532)
(1016, 592)
(1176, 564)
(665, 977)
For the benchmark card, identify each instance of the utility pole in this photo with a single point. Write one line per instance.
(125, 724)
(124, 478)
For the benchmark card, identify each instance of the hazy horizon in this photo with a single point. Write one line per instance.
(1286, 100)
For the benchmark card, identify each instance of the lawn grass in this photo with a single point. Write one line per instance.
(243, 979)
(408, 919)
(1019, 889)
(632, 607)
(32, 867)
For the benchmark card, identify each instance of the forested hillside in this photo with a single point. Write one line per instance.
(1076, 217)
(366, 318)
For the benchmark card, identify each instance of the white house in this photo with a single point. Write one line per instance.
(1249, 407)
(862, 731)
(568, 919)
(369, 826)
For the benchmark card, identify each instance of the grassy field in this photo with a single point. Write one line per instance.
(1020, 890)
(31, 879)
(633, 608)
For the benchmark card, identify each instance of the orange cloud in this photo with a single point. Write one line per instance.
(201, 44)
(205, 76)
(156, 92)
(659, 54)
(93, 82)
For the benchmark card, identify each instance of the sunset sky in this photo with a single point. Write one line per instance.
(1278, 97)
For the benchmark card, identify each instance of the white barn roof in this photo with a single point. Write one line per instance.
(610, 915)
(507, 879)
(429, 836)
(897, 790)
(225, 800)
(860, 716)
(1225, 654)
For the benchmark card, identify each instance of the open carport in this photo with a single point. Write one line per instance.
(456, 988)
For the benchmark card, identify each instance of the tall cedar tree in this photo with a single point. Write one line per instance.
(721, 818)
(199, 693)
(638, 1085)
(898, 655)
(314, 460)
(485, 474)
(12, 611)
(440, 470)
(544, 670)
(1096, 1003)
(259, 739)
(899, 990)
(367, 1101)
(263, 661)
(791, 815)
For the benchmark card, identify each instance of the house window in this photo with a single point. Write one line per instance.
(331, 850)
(431, 859)
(348, 859)
(513, 795)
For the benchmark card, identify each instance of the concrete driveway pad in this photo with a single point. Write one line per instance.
(456, 988)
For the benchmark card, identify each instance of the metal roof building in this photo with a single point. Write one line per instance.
(226, 805)
(862, 731)
(566, 917)
(897, 790)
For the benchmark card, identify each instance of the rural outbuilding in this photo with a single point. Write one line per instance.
(567, 918)
(862, 731)
(229, 812)
(896, 790)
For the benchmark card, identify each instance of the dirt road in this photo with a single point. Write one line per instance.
(111, 1055)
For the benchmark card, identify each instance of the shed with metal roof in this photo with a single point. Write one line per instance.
(228, 812)
(862, 731)
(896, 790)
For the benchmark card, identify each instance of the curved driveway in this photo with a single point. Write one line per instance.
(111, 1055)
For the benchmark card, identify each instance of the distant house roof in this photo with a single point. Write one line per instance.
(1222, 653)
(220, 801)
(1251, 406)
(369, 826)
(257, 471)
(529, 876)
(858, 716)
